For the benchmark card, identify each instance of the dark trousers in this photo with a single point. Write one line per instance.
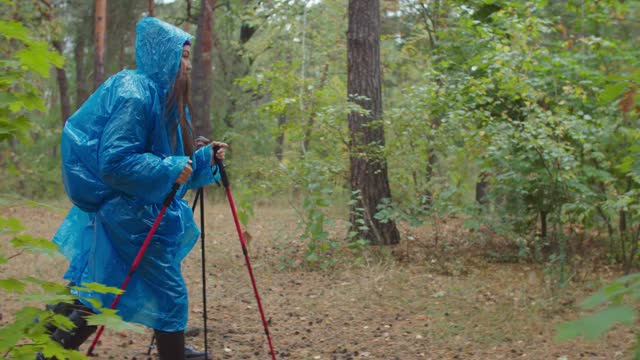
(170, 345)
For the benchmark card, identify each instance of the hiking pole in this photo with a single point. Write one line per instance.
(136, 261)
(225, 183)
(199, 195)
(204, 277)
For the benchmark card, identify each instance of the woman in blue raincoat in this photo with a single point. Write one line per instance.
(122, 152)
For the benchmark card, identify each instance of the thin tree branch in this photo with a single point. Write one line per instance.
(15, 255)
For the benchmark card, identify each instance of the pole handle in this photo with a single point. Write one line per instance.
(223, 173)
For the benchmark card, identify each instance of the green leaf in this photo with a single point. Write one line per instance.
(14, 30)
(61, 321)
(620, 286)
(12, 284)
(48, 286)
(243, 217)
(48, 298)
(50, 348)
(611, 92)
(94, 302)
(10, 335)
(100, 288)
(31, 243)
(39, 59)
(110, 319)
(593, 326)
(16, 331)
(10, 225)
(601, 296)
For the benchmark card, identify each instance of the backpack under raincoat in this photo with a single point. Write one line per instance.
(120, 158)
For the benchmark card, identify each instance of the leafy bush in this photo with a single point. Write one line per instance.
(28, 332)
(613, 304)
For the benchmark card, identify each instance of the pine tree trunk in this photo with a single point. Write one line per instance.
(100, 41)
(202, 68)
(62, 86)
(368, 167)
(78, 54)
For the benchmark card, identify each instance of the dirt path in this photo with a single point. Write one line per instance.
(380, 309)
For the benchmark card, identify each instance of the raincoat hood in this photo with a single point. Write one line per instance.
(158, 50)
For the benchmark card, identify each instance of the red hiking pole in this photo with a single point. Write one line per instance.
(225, 183)
(136, 261)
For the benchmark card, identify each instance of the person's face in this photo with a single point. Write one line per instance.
(185, 61)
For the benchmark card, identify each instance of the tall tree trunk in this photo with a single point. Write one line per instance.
(187, 23)
(543, 224)
(432, 161)
(152, 8)
(202, 67)
(279, 151)
(81, 87)
(235, 66)
(481, 189)
(368, 168)
(61, 75)
(100, 41)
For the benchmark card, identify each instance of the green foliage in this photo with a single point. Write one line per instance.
(19, 97)
(100, 288)
(355, 243)
(27, 334)
(110, 319)
(317, 199)
(614, 304)
(504, 98)
(28, 167)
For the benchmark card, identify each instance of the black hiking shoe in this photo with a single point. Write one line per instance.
(192, 354)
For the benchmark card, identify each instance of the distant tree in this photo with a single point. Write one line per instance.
(61, 75)
(123, 16)
(63, 87)
(78, 55)
(202, 68)
(100, 33)
(368, 165)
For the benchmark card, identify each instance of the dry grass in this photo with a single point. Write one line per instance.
(426, 299)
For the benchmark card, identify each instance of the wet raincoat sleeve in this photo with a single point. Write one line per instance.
(203, 172)
(123, 158)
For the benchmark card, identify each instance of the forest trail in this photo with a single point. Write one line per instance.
(395, 307)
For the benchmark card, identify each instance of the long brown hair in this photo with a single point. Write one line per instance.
(178, 100)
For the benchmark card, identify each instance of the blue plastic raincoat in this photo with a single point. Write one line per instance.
(120, 160)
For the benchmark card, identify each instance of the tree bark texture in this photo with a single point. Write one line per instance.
(368, 168)
(63, 87)
(279, 151)
(202, 69)
(482, 186)
(100, 41)
(81, 87)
